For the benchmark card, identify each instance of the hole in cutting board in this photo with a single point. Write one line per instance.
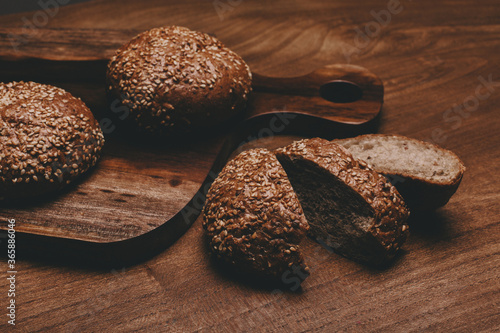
(341, 92)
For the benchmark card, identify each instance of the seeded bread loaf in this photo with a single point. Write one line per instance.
(348, 206)
(47, 139)
(174, 80)
(253, 218)
(425, 174)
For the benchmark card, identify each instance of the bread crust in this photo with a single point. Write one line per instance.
(420, 194)
(388, 229)
(253, 218)
(48, 138)
(174, 80)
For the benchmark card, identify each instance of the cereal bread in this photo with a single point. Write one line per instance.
(348, 206)
(253, 218)
(425, 174)
(48, 138)
(173, 80)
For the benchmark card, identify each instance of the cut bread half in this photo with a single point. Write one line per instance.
(253, 218)
(424, 174)
(349, 207)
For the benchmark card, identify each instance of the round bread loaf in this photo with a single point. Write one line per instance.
(174, 80)
(47, 139)
(253, 218)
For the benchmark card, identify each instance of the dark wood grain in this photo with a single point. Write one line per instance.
(62, 44)
(143, 184)
(430, 57)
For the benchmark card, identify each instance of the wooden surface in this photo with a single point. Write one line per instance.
(142, 184)
(431, 57)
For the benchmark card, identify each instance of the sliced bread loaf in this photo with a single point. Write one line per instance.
(253, 218)
(350, 207)
(425, 174)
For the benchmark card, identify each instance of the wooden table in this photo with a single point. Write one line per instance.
(432, 58)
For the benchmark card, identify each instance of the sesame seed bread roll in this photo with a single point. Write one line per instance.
(47, 139)
(253, 218)
(174, 80)
(348, 206)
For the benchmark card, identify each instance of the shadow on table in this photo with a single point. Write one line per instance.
(432, 226)
(290, 285)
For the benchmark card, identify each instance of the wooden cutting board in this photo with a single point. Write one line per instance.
(144, 195)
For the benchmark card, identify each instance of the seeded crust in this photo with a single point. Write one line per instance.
(350, 207)
(421, 193)
(253, 218)
(47, 139)
(174, 80)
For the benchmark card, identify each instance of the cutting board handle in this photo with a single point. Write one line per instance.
(343, 93)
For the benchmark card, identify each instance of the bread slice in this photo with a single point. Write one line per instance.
(348, 206)
(425, 174)
(253, 218)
